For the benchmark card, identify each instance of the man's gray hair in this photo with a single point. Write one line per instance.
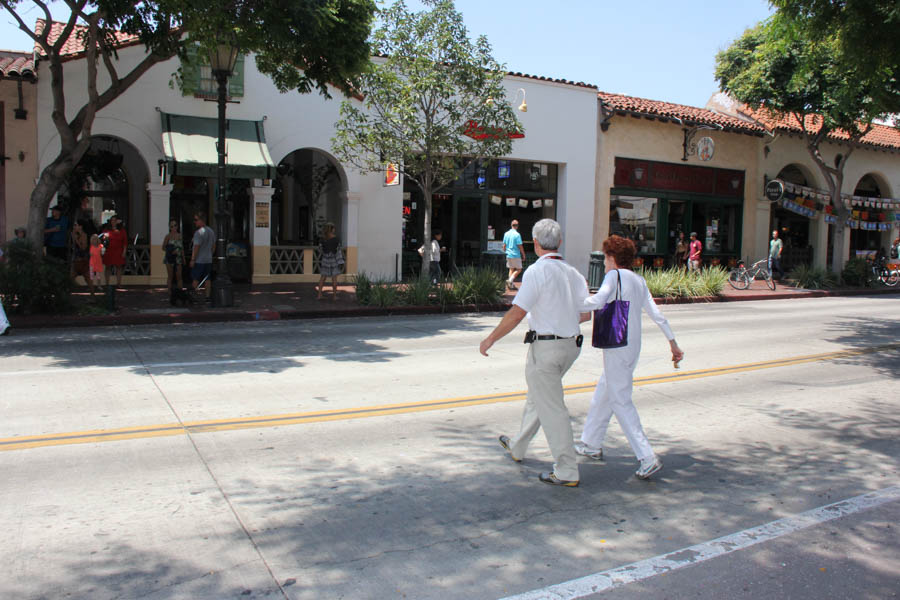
(547, 233)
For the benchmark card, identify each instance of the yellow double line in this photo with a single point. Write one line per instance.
(129, 433)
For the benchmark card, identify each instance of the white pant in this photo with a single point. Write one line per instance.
(4, 322)
(547, 362)
(613, 396)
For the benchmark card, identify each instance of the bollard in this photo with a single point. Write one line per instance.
(111, 298)
(596, 270)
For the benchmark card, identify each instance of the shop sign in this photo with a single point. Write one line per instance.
(676, 177)
(476, 131)
(774, 190)
(706, 148)
(262, 214)
(391, 174)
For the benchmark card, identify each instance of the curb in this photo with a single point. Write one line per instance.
(371, 311)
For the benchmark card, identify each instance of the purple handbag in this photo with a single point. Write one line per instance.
(611, 321)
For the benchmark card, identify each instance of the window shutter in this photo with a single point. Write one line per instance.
(190, 72)
(236, 81)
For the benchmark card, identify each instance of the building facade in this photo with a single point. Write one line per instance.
(18, 139)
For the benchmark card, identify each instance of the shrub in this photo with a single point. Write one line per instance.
(478, 286)
(384, 293)
(813, 278)
(857, 273)
(676, 282)
(417, 292)
(363, 288)
(31, 283)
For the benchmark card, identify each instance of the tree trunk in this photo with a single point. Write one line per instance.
(49, 183)
(426, 233)
(839, 230)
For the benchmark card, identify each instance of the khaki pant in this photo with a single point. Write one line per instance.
(547, 362)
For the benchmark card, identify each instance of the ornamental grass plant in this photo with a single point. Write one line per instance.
(676, 282)
(813, 278)
(471, 285)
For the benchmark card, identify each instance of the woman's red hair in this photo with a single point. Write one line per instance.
(621, 249)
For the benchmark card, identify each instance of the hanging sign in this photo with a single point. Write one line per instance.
(391, 174)
(774, 190)
(706, 148)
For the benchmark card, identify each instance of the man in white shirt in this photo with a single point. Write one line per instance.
(551, 296)
(434, 271)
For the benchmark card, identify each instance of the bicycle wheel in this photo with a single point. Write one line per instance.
(891, 278)
(739, 279)
(769, 281)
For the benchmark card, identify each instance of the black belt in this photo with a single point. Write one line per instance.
(531, 336)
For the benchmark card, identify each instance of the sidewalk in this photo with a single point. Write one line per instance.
(138, 305)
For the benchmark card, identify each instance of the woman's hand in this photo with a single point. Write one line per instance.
(677, 353)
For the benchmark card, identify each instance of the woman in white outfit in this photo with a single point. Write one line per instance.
(613, 392)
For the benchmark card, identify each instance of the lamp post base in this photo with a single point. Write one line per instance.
(222, 291)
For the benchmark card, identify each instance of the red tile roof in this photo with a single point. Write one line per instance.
(551, 79)
(667, 111)
(17, 65)
(881, 136)
(75, 44)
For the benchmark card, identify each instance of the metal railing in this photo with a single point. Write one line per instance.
(138, 260)
(287, 260)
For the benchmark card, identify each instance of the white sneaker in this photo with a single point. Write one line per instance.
(648, 468)
(583, 449)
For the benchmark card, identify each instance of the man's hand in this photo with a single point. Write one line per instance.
(192, 263)
(509, 321)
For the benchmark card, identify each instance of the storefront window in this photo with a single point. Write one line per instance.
(634, 217)
(717, 227)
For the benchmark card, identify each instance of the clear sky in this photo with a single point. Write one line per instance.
(657, 49)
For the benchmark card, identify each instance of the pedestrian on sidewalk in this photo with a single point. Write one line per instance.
(201, 253)
(56, 232)
(81, 256)
(551, 296)
(116, 249)
(776, 246)
(96, 261)
(515, 253)
(613, 392)
(4, 322)
(173, 258)
(695, 253)
(681, 251)
(434, 269)
(331, 261)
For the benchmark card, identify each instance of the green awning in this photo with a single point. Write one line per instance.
(190, 146)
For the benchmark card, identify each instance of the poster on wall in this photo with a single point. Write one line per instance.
(496, 200)
(262, 214)
(502, 169)
(391, 174)
(510, 201)
(548, 202)
(523, 203)
(536, 203)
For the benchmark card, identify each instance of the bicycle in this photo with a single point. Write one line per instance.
(884, 275)
(741, 276)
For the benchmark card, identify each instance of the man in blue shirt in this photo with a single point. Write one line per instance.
(56, 233)
(515, 252)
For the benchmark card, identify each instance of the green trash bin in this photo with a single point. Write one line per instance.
(596, 270)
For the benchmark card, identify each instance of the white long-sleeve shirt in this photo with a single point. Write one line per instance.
(634, 290)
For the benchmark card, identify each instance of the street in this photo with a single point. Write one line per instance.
(358, 458)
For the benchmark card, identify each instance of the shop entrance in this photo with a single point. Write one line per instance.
(466, 237)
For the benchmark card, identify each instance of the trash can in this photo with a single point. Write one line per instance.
(596, 270)
(495, 261)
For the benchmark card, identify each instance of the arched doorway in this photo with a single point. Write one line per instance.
(310, 190)
(794, 229)
(111, 178)
(864, 242)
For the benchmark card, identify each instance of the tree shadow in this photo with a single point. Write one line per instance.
(866, 334)
(200, 349)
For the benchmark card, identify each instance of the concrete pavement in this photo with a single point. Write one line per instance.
(426, 504)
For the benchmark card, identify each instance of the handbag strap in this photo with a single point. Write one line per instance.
(618, 285)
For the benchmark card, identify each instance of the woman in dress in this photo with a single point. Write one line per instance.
(331, 260)
(173, 256)
(116, 248)
(613, 392)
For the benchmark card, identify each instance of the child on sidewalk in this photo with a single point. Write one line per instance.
(96, 261)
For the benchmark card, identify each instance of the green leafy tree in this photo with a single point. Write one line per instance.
(434, 102)
(788, 68)
(302, 45)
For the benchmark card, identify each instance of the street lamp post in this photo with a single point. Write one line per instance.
(222, 59)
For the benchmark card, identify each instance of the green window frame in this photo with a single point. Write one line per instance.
(197, 79)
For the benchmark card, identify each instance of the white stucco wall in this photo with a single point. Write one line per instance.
(560, 127)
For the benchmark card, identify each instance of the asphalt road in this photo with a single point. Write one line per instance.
(358, 459)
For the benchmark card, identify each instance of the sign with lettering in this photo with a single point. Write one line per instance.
(646, 174)
(262, 214)
(477, 131)
(774, 190)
